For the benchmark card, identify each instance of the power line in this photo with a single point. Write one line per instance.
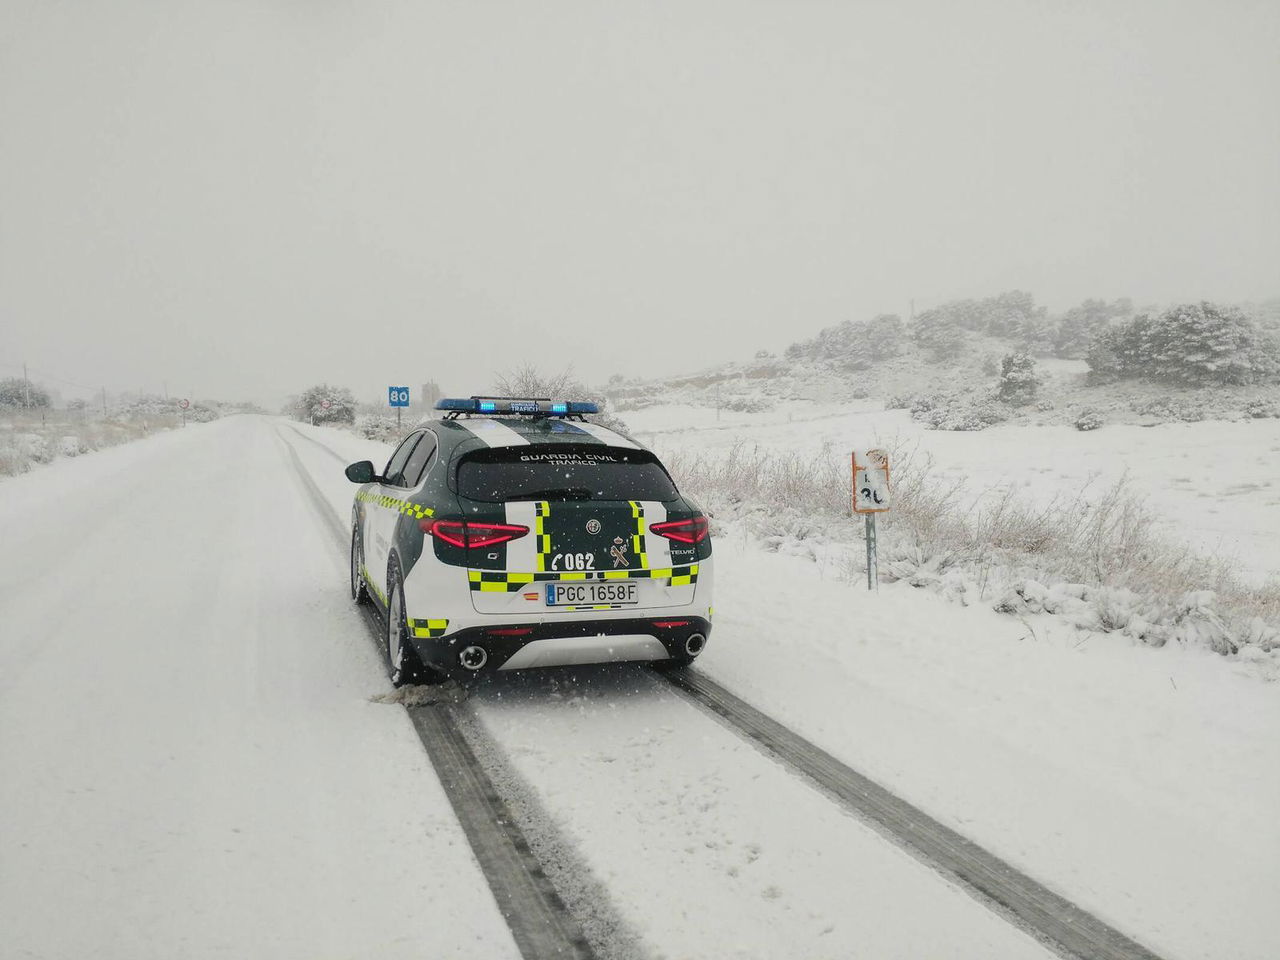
(50, 376)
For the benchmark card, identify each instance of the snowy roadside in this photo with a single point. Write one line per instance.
(1214, 485)
(1027, 534)
(28, 440)
(191, 764)
(1138, 782)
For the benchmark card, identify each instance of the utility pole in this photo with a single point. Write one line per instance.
(26, 387)
(104, 401)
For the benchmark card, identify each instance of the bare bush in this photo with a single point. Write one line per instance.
(529, 381)
(29, 439)
(1103, 544)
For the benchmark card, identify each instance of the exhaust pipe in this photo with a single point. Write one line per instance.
(693, 646)
(473, 658)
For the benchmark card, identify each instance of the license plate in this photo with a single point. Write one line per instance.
(591, 594)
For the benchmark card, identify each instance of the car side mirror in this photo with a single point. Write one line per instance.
(361, 472)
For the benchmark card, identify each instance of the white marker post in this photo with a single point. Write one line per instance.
(871, 496)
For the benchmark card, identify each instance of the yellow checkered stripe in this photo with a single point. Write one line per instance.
(541, 539)
(428, 628)
(637, 538)
(368, 582)
(415, 510)
(499, 581)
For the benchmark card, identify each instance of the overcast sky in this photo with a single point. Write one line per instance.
(244, 197)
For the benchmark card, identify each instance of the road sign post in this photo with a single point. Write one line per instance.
(182, 405)
(871, 496)
(398, 397)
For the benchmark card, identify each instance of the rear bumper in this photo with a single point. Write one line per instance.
(565, 642)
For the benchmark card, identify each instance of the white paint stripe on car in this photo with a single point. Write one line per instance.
(495, 434)
(522, 554)
(607, 435)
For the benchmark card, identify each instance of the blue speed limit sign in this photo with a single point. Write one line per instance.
(398, 396)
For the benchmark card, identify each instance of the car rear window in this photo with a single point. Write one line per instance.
(563, 473)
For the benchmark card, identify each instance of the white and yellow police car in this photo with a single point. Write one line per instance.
(512, 533)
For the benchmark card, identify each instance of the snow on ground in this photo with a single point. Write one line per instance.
(189, 764)
(706, 847)
(192, 766)
(1215, 484)
(1140, 782)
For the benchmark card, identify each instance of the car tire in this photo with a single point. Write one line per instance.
(359, 589)
(403, 664)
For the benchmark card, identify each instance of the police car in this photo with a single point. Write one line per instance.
(512, 533)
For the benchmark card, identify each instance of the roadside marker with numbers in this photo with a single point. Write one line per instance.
(871, 496)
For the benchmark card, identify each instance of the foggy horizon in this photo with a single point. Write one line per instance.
(240, 201)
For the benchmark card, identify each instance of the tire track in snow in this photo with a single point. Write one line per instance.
(1055, 921)
(539, 920)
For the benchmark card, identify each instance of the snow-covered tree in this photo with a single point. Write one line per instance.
(1019, 382)
(311, 405)
(939, 333)
(1077, 328)
(1190, 344)
(20, 392)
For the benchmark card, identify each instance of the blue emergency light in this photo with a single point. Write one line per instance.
(528, 406)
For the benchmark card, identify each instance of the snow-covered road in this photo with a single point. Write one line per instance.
(190, 765)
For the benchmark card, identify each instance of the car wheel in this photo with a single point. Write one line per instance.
(403, 662)
(359, 589)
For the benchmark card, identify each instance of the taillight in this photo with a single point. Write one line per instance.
(471, 535)
(693, 530)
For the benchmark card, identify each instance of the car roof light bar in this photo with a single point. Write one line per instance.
(516, 406)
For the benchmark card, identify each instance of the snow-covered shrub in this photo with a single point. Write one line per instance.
(1078, 327)
(1188, 344)
(746, 404)
(1089, 420)
(202, 412)
(40, 449)
(854, 344)
(1019, 382)
(636, 403)
(324, 404)
(1097, 559)
(900, 401)
(1258, 409)
(1044, 406)
(12, 460)
(960, 412)
(1166, 408)
(27, 440)
(378, 427)
(21, 393)
(72, 446)
(940, 334)
(1196, 621)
